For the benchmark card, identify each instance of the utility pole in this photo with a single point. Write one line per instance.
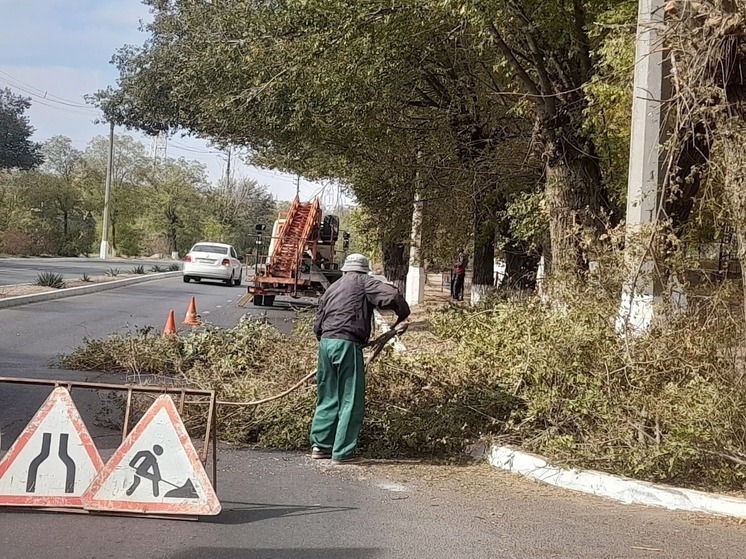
(104, 250)
(297, 186)
(228, 169)
(643, 188)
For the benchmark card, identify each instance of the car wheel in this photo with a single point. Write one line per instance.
(229, 281)
(187, 279)
(238, 281)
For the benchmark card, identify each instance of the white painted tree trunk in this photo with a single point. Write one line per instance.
(415, 291)
(479, 292)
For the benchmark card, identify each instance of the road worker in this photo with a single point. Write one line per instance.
(343, 327)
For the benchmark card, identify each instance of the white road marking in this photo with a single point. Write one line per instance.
(394, 487)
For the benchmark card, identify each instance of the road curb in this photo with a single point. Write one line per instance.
(19, 300)
(617, 488)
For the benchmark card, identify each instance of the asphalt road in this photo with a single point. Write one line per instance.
(284, 506)
(24, 270)
(33, 336)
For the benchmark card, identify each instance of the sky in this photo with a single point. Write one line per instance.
(57, 51)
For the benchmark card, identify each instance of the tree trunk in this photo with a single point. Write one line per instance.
(574, 198)
(521, 266)
(172, 238)
(483, 266)
(395, 264)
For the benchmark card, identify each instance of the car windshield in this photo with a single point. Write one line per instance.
(213, 249)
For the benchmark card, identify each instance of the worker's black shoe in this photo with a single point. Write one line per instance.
(346, 460)
(319, 454)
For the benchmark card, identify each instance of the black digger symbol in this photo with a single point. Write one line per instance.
(46, 445)
(145, 464)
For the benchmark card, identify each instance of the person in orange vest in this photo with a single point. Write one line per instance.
(459, 275)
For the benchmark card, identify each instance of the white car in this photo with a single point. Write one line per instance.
(214, 261)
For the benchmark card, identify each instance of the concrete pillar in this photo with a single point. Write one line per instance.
(415, 290)
(638, 295)
(103, 252)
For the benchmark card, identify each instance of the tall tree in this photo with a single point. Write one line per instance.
(548, 48)
(17, 151)
(63, 162)
(339, 90)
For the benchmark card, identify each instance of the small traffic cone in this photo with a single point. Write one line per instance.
(170, 328)
(191, 318)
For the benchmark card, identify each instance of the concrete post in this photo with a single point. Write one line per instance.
(415, 290)
(104, 248)
(636, 310)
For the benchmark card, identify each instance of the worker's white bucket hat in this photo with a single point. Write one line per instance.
(356, 263)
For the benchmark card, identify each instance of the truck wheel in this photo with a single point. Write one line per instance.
(258, 300)
(269, 300)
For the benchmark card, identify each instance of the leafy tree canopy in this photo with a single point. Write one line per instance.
(17, 151)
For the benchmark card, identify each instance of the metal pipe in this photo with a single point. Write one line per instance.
(108, 386)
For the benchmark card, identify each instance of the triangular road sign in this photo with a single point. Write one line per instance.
(156, 470)
(53, 461)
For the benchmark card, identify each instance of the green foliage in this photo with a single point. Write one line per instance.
(85, 277)
(50, 279)
(173, 267)
(153, 210)
(665, 406)
(113, 272)
(158, 269)
(17, 151)
(139, 270)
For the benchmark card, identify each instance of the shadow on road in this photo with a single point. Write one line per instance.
(278, 553)
(245, 513)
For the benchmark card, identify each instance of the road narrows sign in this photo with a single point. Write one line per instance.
(53, 461)
(156, 470)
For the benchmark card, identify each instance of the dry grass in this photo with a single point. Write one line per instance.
(667, 406)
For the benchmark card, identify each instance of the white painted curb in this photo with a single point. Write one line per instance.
(82, 290)
(624, 490)
(384, 326)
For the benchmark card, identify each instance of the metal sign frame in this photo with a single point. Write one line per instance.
(130, 389)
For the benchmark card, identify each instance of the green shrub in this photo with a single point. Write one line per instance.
(669, 405)
(139, 270)
(50, 279)
(156, 269)
(113, 272)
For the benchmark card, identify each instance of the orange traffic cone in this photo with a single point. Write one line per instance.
(170, 328)
(191, 318)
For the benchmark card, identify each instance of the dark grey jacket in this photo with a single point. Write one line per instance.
(346, 309)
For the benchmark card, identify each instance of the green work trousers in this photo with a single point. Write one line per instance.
(340, 402)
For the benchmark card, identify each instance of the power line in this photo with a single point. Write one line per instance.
(47, 103)
(45, 94)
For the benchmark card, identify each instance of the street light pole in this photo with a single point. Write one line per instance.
(104, 250)
(643, 187)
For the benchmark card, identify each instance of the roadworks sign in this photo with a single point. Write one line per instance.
(54, 460)
(156, 470)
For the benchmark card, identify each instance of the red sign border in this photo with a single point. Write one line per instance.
(59, 393)
(211, 508)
